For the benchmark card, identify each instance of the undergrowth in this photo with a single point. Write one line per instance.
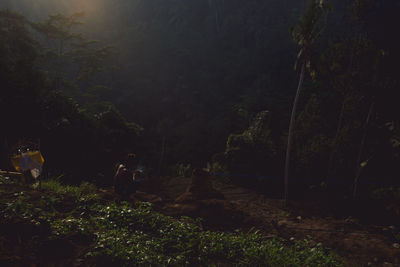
(84, 190)
(126, 235)
(4, 180)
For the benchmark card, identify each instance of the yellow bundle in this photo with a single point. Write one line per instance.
(29, 161)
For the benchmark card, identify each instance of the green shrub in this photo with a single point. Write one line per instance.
(4, 180)
(181, 170)
(386, 193)
(84, 192)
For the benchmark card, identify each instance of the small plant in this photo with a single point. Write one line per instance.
(84, 192)
(50, 202)
(182, 170)
(397, 237)
(219, 172)
(21, 211)
(70, 225)
(4, 180)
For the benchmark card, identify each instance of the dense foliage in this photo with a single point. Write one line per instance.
(196, 75)
(73, 138)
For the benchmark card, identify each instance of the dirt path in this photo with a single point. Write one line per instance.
(361, 243)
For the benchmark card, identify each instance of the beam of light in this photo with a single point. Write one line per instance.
(90, 7)
(66, 7)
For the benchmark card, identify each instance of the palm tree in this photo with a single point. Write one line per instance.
(304, 34)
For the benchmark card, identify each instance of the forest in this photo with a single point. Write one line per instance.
(285, 100)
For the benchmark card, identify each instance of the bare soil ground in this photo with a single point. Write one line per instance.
(365, 234)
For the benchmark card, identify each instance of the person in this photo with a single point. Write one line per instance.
(133, 164)
(127, 177)
(137, 181)
(123, 181)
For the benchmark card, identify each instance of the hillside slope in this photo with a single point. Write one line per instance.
(83, 226)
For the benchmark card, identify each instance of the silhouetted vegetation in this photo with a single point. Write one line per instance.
(189, 84)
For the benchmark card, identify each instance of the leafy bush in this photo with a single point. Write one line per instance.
(251, 153)
(21, 211)
(85, 191)
(181, 170)
(219, 172)
(386, 193)
(5, 180)
(67, 225)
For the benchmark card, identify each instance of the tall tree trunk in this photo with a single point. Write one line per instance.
(360, 152)
(290, 135)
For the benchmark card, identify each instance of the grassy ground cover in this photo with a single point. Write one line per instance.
(75, 225)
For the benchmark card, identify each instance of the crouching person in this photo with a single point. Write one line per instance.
(126, 182)
(123, 182)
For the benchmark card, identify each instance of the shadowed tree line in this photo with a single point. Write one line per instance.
(213, 82)
(82, 141)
